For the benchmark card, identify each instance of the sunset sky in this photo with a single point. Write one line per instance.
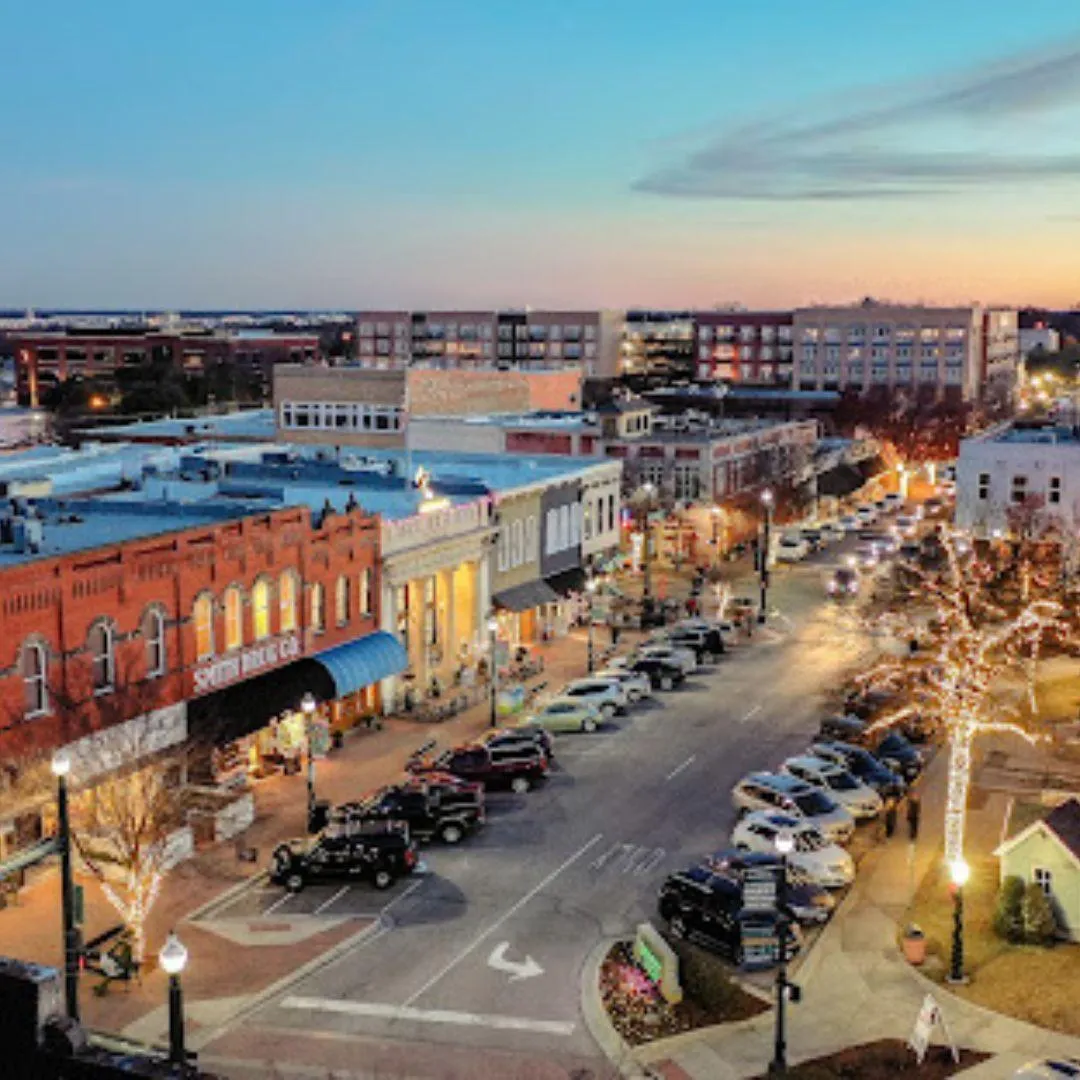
(479, 153)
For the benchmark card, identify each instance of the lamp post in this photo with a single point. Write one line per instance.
(716, 512)
(785, 844)
(61, 766)
(493, 630)
(959, 871)
(308, 705)
(173, 958)
(590, 591)
(646, 553)
(763, 554)
(904, 475)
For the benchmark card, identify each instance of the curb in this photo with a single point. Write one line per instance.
(227, 895)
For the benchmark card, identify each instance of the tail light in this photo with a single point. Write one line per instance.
(410, 856)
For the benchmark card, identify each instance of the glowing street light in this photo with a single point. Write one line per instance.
(173, 959)
(61, 768)
(959, 872)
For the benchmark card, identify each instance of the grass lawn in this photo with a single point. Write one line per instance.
(1030, 983)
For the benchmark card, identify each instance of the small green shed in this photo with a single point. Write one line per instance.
(1048, 852)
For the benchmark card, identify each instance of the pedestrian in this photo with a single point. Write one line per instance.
(913, 646)
(914, 809)
(890, 819)
(614, 633)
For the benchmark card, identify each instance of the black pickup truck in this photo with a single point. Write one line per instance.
(432, 806)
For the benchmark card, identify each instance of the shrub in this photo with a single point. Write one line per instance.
(705, 979)
(1040, 925)
(1008, 914)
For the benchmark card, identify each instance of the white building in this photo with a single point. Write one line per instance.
(965, 353)
(1019, 476)
(1044, 338)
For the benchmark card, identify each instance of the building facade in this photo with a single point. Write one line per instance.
(744, 346)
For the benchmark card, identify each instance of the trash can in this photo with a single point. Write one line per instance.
(914, 946)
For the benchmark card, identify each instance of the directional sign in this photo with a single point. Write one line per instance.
(760, 887)
(527, 969)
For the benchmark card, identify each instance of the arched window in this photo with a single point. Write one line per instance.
(203, 617)
(318, 608)
(153, 631)
(234, 618)
(102, 656)
(260, 609)
(367, 594)
(341, 600)
(34, 663)
(287, 602)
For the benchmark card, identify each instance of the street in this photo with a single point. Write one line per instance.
(485, 951)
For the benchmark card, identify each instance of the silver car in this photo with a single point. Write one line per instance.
(780, 791)
(635, 683)
(853, 795)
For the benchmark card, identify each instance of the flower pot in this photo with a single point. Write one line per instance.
(914, 946)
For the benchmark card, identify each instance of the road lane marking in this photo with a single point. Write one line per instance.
(679, 768)
(326, 903)
(603, 860)
(751, 714)
(651, 862)
(277, 903)
(429, 1016)
(564, 865)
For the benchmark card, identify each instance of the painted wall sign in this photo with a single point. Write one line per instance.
(245, 663)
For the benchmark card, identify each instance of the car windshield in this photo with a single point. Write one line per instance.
(808, 841)
(812, 803)
(841, 780)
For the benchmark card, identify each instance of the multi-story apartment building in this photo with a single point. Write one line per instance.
(744, 346)
(522, 339)
(960, 353)
(658, 345)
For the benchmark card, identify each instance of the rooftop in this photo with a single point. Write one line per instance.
(247, 424)
(1048, 434)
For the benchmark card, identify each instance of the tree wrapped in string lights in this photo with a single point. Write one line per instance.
(970, 646)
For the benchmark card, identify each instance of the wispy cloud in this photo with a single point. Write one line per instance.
(877, 149)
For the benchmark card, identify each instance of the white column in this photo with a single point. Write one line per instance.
(388, 688)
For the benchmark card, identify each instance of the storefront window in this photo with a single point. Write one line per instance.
(260, 609)
(234, 618)
(203, 617)
(35, 678)
(287, 602)
(341, 600)
(367, 598)
(318, 608)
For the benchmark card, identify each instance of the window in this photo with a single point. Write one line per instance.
(34, 662)
(1019, 489)
(552, 531)
(532, 552)
(367, 594)
(203, 617)
(1044, 879)
(102, 656)
(517, 543)
(287, 602)
(318, 608)
(341, 600)
(1054, 494)
(611, 512)
(234, 618)
(153, 630)
(260, 609)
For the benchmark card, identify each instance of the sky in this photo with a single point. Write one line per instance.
(346, 154)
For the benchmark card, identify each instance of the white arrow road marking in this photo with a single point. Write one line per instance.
(430, 1016)
(528, 969)
(679, 768)
(751, 714)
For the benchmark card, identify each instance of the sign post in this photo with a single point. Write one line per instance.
(930, 1016)
(657, 959)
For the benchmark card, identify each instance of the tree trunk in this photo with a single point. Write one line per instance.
(960, 739)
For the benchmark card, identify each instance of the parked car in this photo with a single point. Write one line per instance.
(893, 750)
(934, 507)
(431, 808)
(564, 714)
(906, 525)
(843, 581)
(375, 851)
(850, 522)
(636, 683)
(673, 654)
(518, 767)
(867, 513)
(894, 500)
(845, 728)
(706, 907)
(707, 645)
(864, 766)
(1049, 1069)
(867, 557)
(606, 695)
(818, 858)
(791, 548)
(885, 541)
(524, 734)
(778, 791)
(832, 531)
(662, 674)
(805, 900)
(859, 799)
(813, 536)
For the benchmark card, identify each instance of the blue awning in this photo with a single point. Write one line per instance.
(363, 662)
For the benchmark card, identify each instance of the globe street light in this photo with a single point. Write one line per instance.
(173, 958)
(785, 844)
(763, 555)
(959, 872)
(308, 705)
(61, 767)
(493, 630)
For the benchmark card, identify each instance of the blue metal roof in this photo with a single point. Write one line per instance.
(361, 663)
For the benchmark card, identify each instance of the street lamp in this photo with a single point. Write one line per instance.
(763, 555)
(173, 958)
(959, 871)
(785, 844)
(590, 590)
(902, 470)
(646, 555)
(308, 705)
(716, 513)
(493, 630)
(61, 766)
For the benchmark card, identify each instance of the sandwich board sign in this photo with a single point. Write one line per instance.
(929, 1017)
(657, 959)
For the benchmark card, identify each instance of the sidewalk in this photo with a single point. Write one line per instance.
(856, 985)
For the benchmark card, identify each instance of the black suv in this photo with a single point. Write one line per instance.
(517, 767)
(516, 737)
(805, 901)
(663, 675)
(863, 766)
(432, 806)
(897, 753)
(377, 851)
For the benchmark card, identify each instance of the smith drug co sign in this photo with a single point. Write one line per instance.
(245, 663)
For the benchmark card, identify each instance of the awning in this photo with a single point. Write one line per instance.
(568, 581)
(525, 597)
(841, 481)
(363, 662)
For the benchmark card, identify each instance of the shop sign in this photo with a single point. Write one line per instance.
(760, 943)
(246, 663)
(658, 961)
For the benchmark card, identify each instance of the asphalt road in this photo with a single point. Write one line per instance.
(486, 952)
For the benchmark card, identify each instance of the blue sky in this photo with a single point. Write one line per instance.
(348, 153)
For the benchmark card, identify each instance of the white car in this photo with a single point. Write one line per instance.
(859, 799)
(832, 530)
(906, 526)
(783, 792)
(791, 548)
(682, 658)
(850, 523)
(824, 863)
(608, 696)
(867, 513)
(635, 683)
(894, 500)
